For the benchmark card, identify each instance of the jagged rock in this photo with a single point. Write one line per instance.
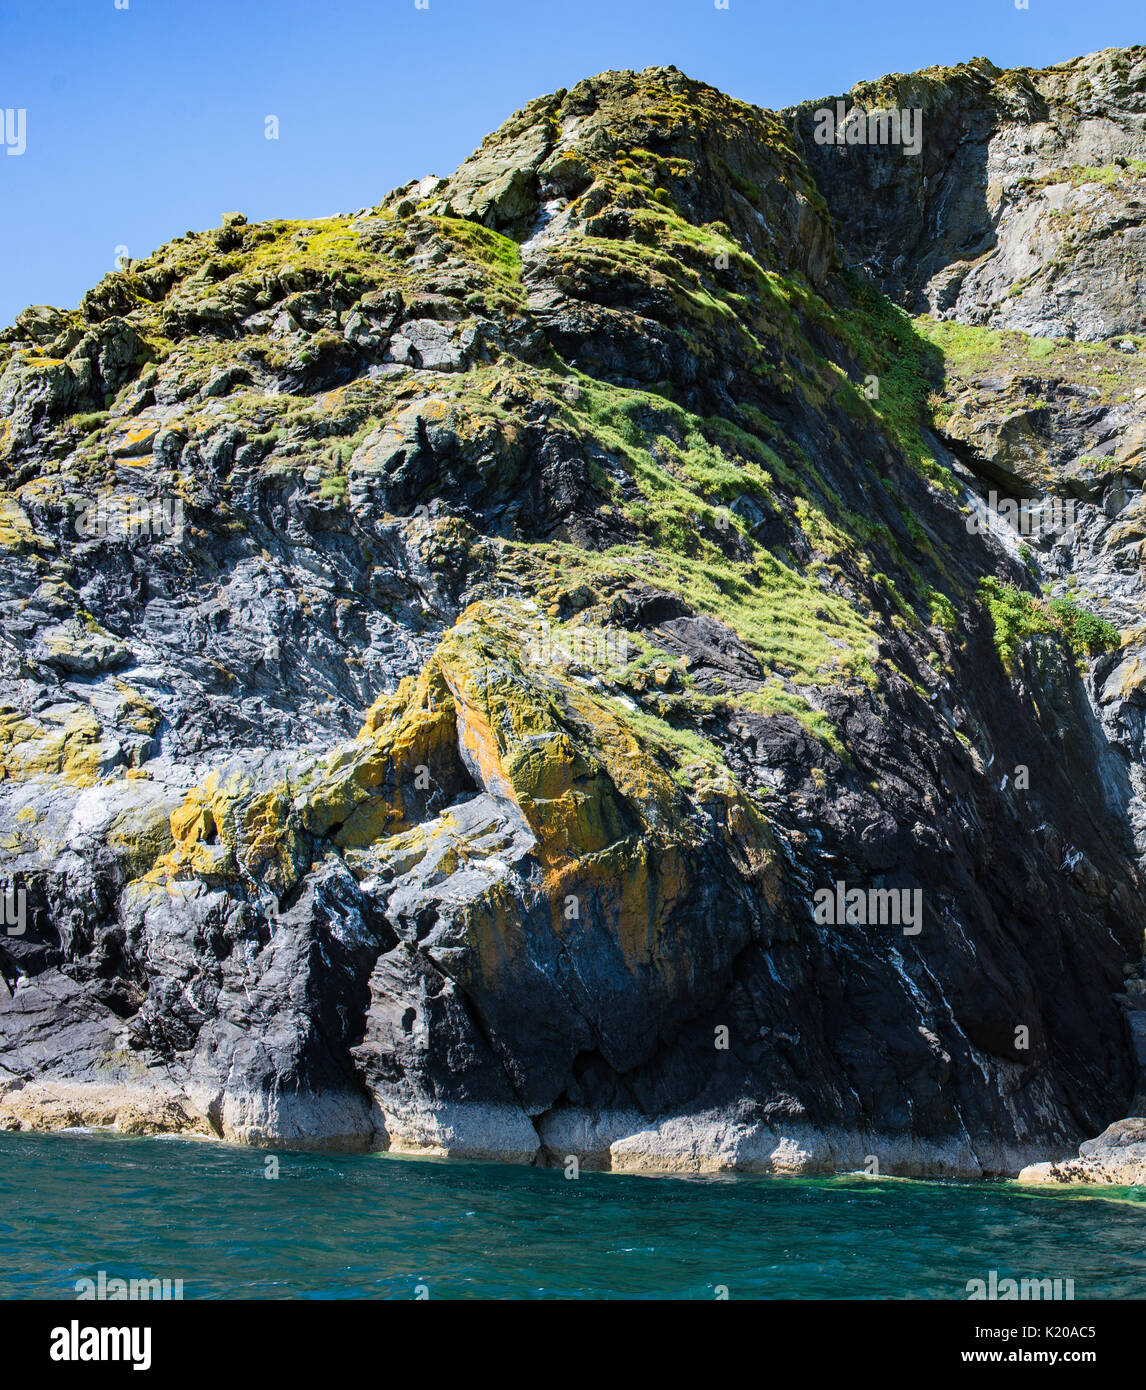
(1023, 207)
(538, 607)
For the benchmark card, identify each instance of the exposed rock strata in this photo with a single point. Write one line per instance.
(509, 608)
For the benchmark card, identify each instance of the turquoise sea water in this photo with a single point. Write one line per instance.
(378, 1227)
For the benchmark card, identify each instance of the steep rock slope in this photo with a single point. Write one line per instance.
(446, 649)
(1025, 207)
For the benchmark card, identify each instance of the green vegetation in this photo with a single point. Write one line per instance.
(889, 346)
(942, 611)
(784, 616)
(680, 746)
(967, 351)
(85, 424)
(1078, 174)
(334, 489)
(1016, 615)
(497, 256)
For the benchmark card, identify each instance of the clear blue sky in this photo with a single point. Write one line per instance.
(148, 121)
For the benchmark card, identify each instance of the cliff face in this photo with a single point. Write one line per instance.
(1025, 207)
(450, 651)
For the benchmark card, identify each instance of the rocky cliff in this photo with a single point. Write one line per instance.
(456, 657)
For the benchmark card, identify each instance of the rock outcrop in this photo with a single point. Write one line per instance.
(1116, 1158)
(1024, 206)
(449, 651)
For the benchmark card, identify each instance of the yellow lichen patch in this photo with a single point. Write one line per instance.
(387, 707)
(397, 780)
(16, 531)
(477, 742)
(582, 779)
(22, 826)
(633, 887)
(64, 741)
(203, 832)
(269, 844)
(746, 832)
(192, 821)
(41, 489)
(1130, 675)
(381, 783)
(136, 712)
(134, 443)
(405, 850)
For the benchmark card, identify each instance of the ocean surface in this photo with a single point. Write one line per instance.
(380, 1227)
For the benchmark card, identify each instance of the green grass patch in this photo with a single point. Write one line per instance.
(1017, 615)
